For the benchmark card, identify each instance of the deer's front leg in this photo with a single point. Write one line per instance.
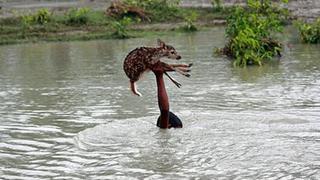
(181, 65)
(162, 67)
(180, 68)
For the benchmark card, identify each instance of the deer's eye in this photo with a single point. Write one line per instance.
(172, 52)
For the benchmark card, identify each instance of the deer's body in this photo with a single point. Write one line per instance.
(144, 59)
(139, 61)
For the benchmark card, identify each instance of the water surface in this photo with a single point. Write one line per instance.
(67, 113)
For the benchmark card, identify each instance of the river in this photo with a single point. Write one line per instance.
(67, 113)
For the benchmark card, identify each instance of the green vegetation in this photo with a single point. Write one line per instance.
(309, 32)
(41, 17)
(216, 5)
(249, 29)
(190, 22)
(120, 28)
(159, 10)
(78, 16)
(85, 23)
(250, 33)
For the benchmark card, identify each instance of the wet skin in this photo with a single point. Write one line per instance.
(166, 119)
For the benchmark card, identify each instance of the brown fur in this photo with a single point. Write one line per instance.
(143, 59)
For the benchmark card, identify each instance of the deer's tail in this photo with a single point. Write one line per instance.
(133, 88)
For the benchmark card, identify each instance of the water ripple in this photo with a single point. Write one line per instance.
(67, 113)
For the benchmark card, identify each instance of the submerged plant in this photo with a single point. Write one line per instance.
(190, 20)
(249, 32)
(309, 32)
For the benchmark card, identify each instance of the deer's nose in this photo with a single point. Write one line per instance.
(178, 57)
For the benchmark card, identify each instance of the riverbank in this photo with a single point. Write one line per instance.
(88, 24)
(304, 9)
(17, 20)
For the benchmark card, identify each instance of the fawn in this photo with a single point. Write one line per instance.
(143, 59)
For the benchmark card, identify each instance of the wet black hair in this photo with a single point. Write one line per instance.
(174, 121)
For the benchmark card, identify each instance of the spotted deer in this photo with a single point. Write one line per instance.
(144, 59)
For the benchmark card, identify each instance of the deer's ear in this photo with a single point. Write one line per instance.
(161, 43)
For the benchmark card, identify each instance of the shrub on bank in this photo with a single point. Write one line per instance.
(216, 4)
(120, 27)
(41, 17)
(77, 16)
(309, 32)
(159, 10)
(249, 32)
(190, 20)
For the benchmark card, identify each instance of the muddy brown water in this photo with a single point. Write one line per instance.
(66, 113)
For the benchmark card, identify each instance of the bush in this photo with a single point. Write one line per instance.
(216, 4)
(78, 16)
(153, 4)
(190, 19)
(249, 33)
(120, 27)
(160, 10)
(26, 21)
(309, 32)
(42, 16)
(119, 10)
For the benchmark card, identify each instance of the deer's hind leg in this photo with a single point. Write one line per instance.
(173, 80)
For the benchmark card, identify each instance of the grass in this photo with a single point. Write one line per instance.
(309, 32)
(85, 24)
